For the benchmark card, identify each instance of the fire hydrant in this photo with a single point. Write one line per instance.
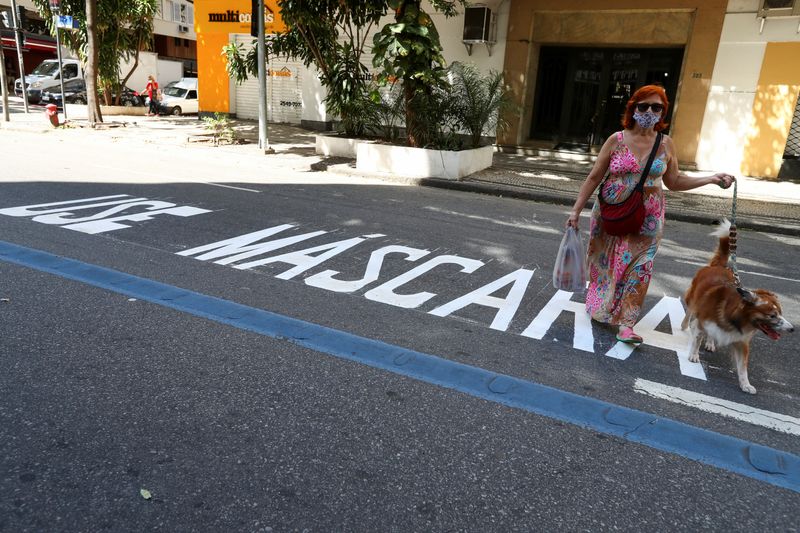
(51, 110)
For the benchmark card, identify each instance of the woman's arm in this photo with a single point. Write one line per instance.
(592, 180)
(675, 180)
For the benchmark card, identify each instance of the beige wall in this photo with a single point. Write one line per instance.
(754, 84)
(773, 109)
(695, 24)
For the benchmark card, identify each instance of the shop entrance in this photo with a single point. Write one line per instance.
(581, 92)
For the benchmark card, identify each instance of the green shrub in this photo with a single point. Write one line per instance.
(221, 128)
(479, 103)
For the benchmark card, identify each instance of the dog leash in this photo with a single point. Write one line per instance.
(732, 241)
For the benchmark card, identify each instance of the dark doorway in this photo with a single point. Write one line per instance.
(581, 92)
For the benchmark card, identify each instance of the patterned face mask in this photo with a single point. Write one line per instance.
(646, 120)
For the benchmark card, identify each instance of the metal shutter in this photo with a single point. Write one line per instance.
(793, 141)
(284, 89)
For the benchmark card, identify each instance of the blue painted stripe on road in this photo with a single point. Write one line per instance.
(736, 455)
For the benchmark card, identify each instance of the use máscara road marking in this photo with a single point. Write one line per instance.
(735, 455)
(263, 247)
(107, 213)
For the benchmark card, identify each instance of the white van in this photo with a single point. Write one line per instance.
(46, 77)
(180, 98)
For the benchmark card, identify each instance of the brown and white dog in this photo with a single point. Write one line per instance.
(726, 315)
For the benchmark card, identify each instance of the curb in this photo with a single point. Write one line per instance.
(509, 191)
(748, 222)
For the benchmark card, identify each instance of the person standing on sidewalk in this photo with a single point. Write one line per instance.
(620, 267)
(152, 93)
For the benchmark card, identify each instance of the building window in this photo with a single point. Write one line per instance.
(779, 8)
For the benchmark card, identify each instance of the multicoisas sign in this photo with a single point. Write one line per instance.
(237, 16)
(234, 16)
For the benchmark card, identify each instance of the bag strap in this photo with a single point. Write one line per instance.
(640, 185)
(645, 172)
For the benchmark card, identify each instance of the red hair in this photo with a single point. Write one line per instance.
(646, 92)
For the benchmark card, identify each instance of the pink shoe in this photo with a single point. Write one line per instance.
(627, 336)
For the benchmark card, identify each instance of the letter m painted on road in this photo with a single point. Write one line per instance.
(246, 246)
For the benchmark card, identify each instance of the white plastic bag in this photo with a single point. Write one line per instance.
(569, 273)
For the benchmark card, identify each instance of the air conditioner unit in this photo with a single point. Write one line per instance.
(182, 28)
(478, 25)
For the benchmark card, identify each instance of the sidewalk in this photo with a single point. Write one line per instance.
(762, 204)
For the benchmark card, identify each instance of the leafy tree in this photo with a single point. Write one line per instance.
(410, 50)
(331, 35)
(122, 29)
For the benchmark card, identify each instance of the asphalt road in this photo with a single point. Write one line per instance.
(106, 391)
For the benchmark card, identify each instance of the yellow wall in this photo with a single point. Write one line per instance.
(773, 108)
(213, 85)
(694, 24)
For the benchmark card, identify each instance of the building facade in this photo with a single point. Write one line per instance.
(731, 70)
(174, 43)
(37, 44)
(751, 124)
(174, 37)
(294, 93)
(573, 65)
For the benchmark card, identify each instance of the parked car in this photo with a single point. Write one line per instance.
(74, 93)
(129, 98)
(46, 77)
(180, 98)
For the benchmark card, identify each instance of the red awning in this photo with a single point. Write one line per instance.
(31, 43)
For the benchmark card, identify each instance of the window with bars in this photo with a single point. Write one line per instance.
(779, 8)
(793, 141)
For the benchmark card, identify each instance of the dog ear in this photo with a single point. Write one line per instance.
(748, 296)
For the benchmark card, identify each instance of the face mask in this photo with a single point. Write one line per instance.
(646, 120)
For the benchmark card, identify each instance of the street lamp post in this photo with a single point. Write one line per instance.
(263, 141)
(4, 83)
(55, 7)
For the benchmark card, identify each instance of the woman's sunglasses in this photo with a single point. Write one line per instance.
(657, 108)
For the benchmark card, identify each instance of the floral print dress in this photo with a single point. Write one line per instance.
(620, 268)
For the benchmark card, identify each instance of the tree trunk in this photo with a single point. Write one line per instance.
(411, 113)
(93, 105)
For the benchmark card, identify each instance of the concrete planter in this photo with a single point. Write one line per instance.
(422, 162)
(338, 146)
(111, 110)
(79, 111)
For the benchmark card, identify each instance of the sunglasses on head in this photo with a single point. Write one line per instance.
(657, 108)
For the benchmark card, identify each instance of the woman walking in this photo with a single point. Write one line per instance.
(152, 93)
(620, 267)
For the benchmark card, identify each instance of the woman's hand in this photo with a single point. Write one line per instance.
(573, 220)
(723, 180)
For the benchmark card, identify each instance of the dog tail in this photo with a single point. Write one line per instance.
(724, 248)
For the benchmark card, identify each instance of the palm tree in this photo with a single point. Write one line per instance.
(481, 103)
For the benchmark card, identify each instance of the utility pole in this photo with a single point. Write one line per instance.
(4, 83)
(18, 40)
(55, 6)
(263, 142)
